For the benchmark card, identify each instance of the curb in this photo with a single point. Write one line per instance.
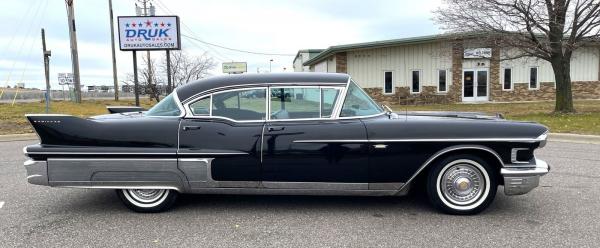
(554, 137)
(574, 138)
(18, 137)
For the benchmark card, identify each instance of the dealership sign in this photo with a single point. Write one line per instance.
(477, 53)
(235, 67)
(149, 33)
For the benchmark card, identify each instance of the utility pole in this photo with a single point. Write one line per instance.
(47, 55)
(144, 12)
(112, 44)
(74, 55)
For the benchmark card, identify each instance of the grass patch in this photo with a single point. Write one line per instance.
(585, 121)
(13, 119)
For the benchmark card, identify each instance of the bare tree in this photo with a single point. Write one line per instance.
(148, 87)
(546, 29)
(186, 68)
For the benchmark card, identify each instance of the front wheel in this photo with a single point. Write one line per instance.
(462, 184)
(148, 200)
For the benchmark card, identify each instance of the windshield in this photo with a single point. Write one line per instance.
(358, 103)
(166, 107)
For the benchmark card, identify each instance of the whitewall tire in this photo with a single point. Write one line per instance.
(148, 200)
(462, 184)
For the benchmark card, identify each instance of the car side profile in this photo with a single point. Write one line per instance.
(291, 133)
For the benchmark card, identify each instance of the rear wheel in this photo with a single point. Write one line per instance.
(148, 200)
(462, 184)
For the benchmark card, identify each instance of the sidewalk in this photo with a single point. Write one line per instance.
(554, 137)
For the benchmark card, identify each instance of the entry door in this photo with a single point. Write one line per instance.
(302, 145)
(310, 151)
(475, 85)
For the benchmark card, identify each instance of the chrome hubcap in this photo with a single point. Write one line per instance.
(462, 184)
(146, 195)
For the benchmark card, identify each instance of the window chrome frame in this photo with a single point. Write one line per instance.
(335, 114)
(189, 114)
(341, 104)
(332, 117)
(182, 112)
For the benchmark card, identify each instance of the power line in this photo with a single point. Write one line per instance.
(215, 52)
(223, 47)
(238, 50)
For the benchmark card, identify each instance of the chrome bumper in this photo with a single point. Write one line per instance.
(37, 172)
(518, 181)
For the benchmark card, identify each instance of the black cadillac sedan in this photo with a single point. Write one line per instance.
(294, 133)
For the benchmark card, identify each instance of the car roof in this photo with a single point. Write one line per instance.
(188, 90)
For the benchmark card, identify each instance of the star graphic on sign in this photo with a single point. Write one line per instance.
(169, 24)
(156, 24)
(162, 24)
(133, 24)
(140, 24)
(148, 23)
(126, 24)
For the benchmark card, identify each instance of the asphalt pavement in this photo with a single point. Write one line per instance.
(563, 211)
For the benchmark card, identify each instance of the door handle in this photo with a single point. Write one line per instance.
(271, 129)
(186, 128)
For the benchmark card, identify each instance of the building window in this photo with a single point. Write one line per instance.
(442, 79)
(388, 82)
(507, 79)
(416, 81)
(533, 78)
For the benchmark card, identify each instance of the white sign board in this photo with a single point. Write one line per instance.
(477, 53)
(149, 33)
(65, 78)
(235, 67)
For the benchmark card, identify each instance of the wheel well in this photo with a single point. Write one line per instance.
(487, 156)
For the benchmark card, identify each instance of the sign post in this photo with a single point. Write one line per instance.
(145, 33)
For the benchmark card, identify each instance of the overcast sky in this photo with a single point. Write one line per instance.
(275, 26)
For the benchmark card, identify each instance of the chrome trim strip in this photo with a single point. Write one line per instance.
(213, 153)
(446, 150)
(105, 153)
(262, 142)
(240, 86)
(315, 185)
(47, 115)
(422, 140)
(115, 159)
(123, 187)
(513, 155)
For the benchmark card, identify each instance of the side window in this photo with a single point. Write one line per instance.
(295, 103)
(166, 107)
(328, 98)
(416, 81)
(388, 83)
(241, 105)
(507, 83)
(533, 78)
(358, 103)
(442, 86)
(201, 107)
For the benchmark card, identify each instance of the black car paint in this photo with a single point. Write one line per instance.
(236, 146)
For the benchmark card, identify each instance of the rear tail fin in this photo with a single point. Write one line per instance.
(57, 129)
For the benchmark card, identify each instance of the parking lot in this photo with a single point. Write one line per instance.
(563, 211)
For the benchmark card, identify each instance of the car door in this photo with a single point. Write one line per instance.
(303, 144)
(225, 128)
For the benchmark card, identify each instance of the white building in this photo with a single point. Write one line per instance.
(448, 68)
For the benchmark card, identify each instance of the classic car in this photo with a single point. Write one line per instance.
(290, 133)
